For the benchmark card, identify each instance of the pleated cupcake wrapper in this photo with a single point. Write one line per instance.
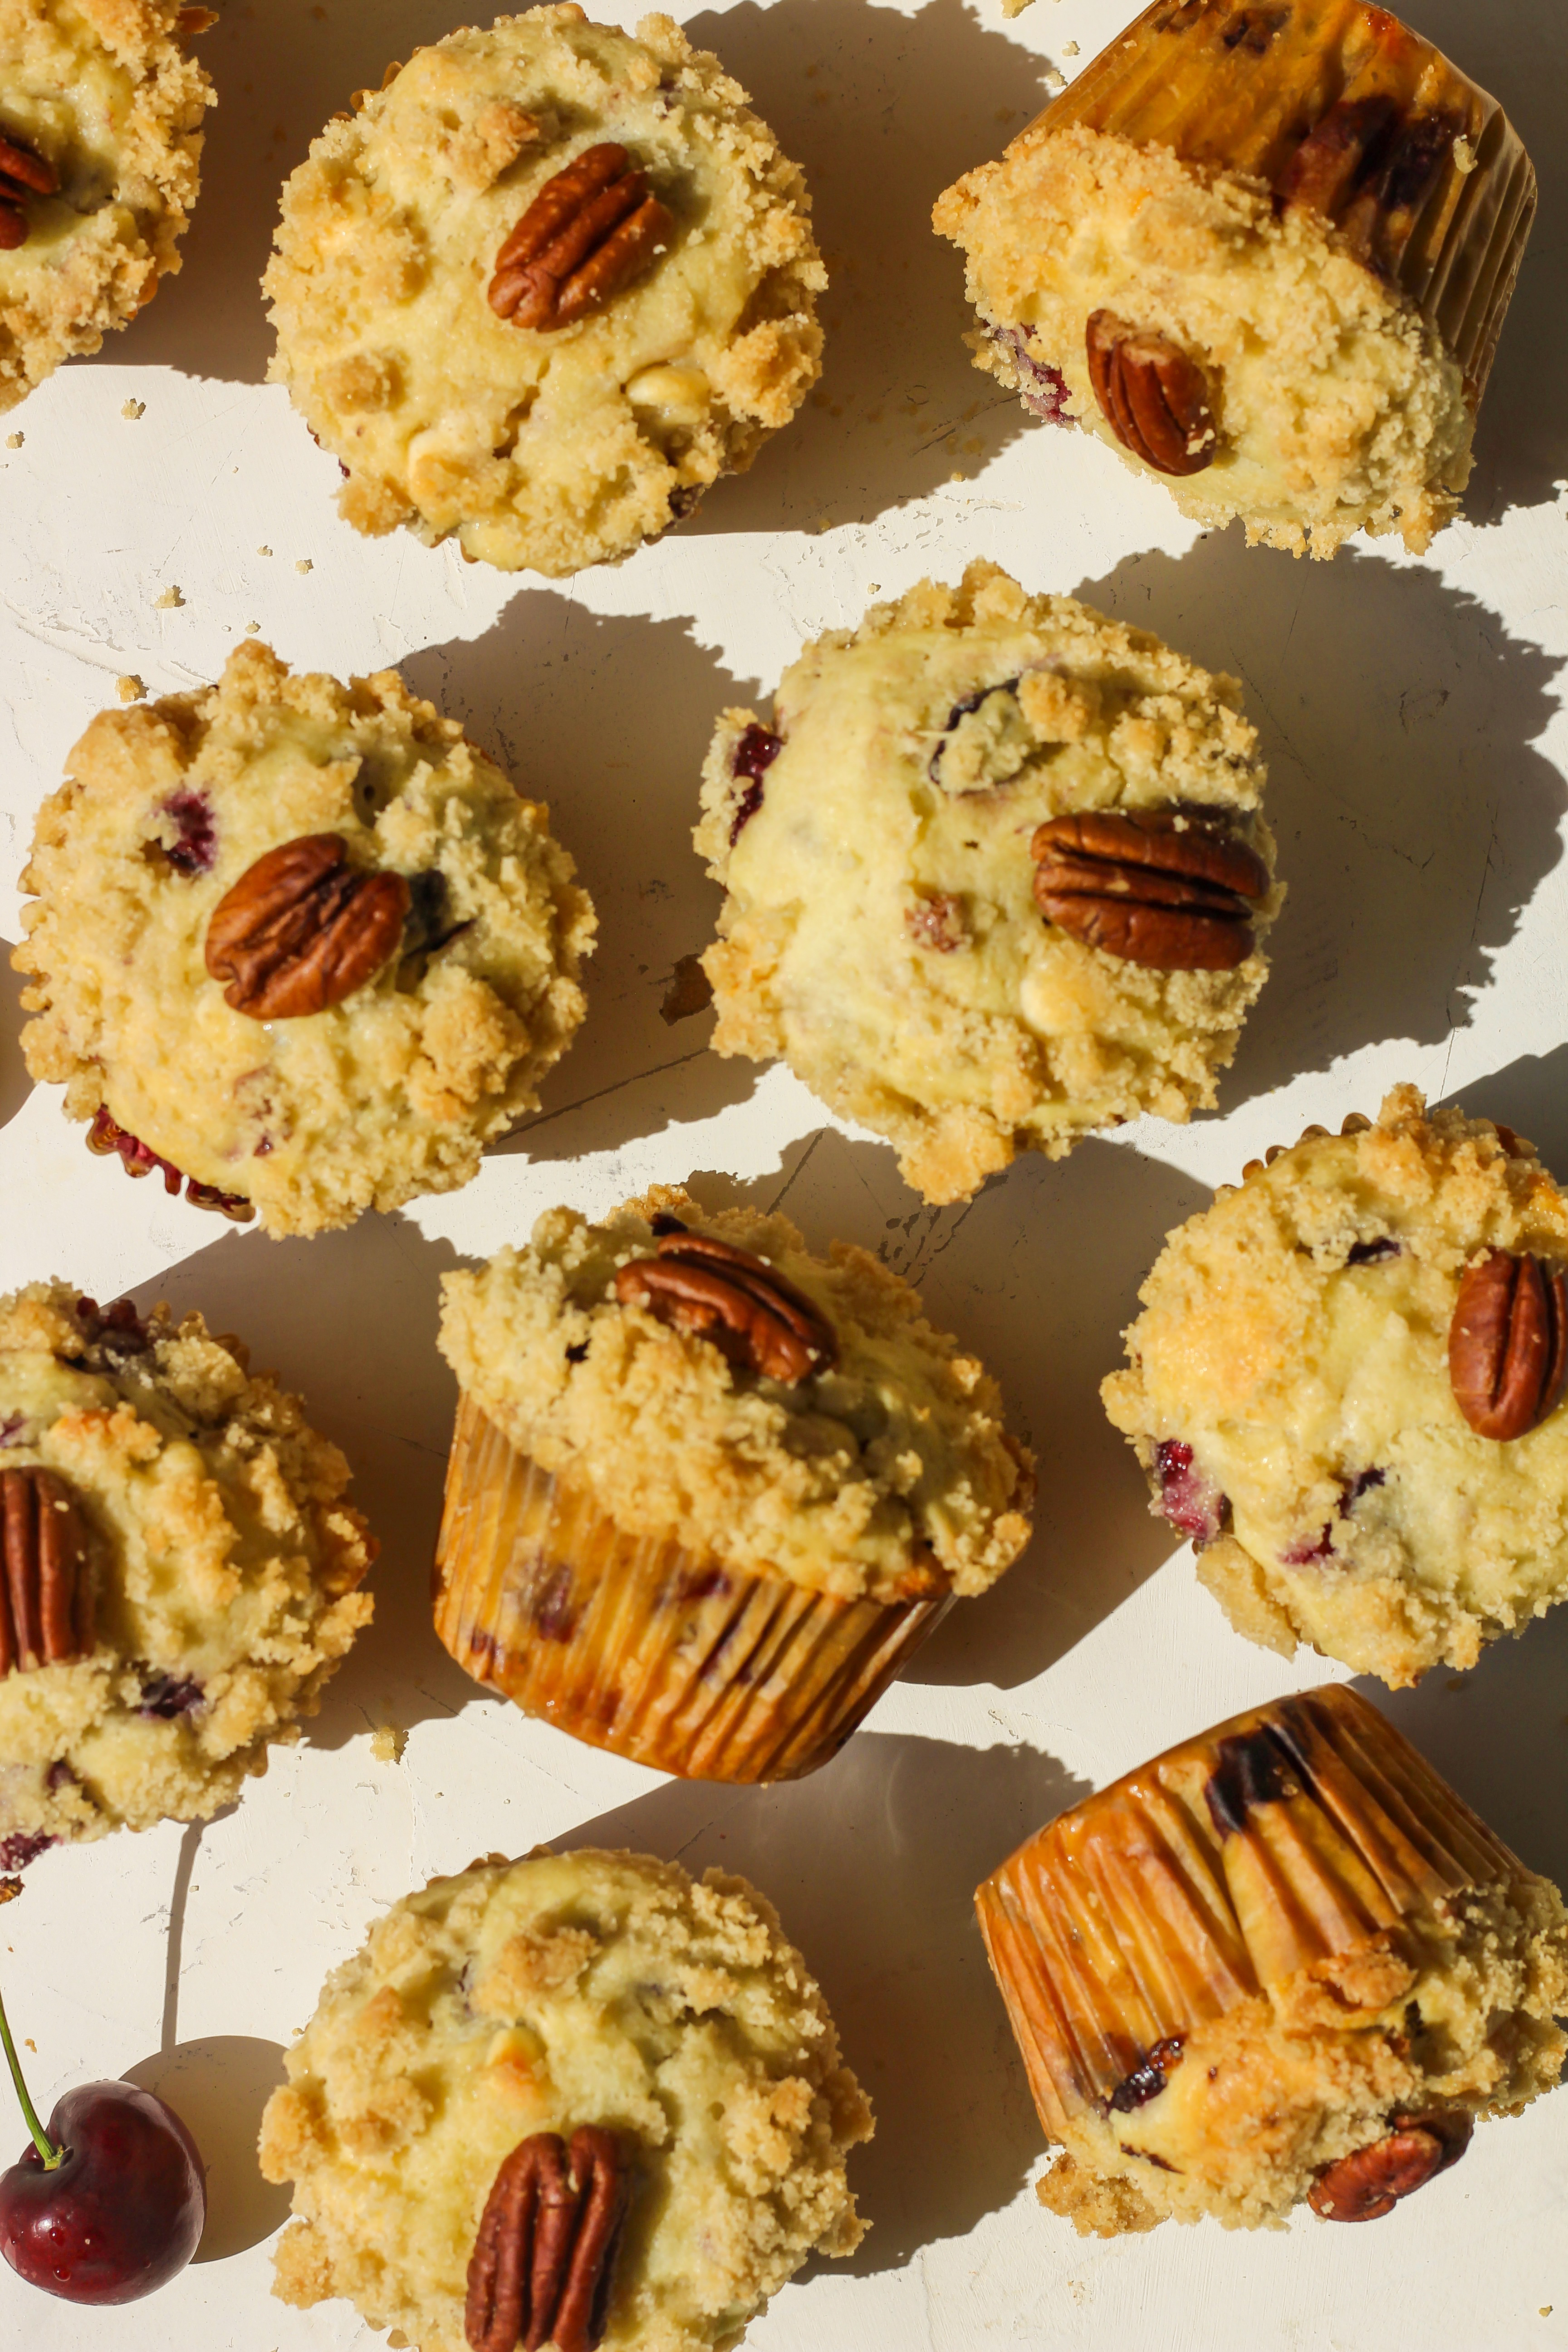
(1237, 88)
(638, 1643)
(1135, 1918)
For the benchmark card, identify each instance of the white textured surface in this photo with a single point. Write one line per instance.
(1411, 716)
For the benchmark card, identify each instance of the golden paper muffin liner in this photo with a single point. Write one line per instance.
(1288, 1836)
(641, 1645)
(1244, 88)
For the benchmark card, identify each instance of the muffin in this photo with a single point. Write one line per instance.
(180, 1569)
(543, 288)
(100, 143)
(1345, 1387)
(595, 2030)
(299, 942)
(708, 1493)
(997, 876)
(1282, 1961)
(1265, 254)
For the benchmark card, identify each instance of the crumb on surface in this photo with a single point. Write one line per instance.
(133, 409)
(387, 1742)
(169, 602)
(304, 564)
(130, 687)
(15, 440)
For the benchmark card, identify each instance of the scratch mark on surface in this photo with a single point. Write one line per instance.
(801, 1165)
(635, 1079)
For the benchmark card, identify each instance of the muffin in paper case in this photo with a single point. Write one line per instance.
(1282, 1961)
(638, 1643)
(1265, 252)
(707, 1492)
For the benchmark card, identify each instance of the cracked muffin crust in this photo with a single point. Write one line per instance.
(299, 942)
(100, 120)
(884, 1464)
(1282, 1962)
(881, 842)
(206, 1590)
(551, 1994)
(1264, 255)
(1291, 1394)
(568, 442)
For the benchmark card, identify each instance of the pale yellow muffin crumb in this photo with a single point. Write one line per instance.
(1290, 1396)
(880, 932)
(393, 1091)
(104, 91)
(1342, 411)
(222, 1558)
(542, 1996)
(543, 449)
(1270, 2094)
(1241, 1972)
(892, 1458)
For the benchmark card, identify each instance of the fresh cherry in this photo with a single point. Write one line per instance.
(110, 2201)
(121, 2210)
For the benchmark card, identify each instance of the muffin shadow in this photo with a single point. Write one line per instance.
(1415, 816)
(608, 718)
(1532, 1097)
(348, 1322)
(282, 71)
(16, 1085)
(1501, 1735)
(1037, 1275)
(882, 111)
(218, 2087)
(873, 1863)
(1521, 440)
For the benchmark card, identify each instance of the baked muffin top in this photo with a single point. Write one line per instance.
(100, 113)
(1291, 1393)
(881, 844)
(186, 1565)
(1330, 403)
(552, 1994)
(871, 1456)
(569, 441)
(1282, 1962)
(302, 940)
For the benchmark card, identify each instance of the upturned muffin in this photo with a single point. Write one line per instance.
(1346, 1384)
(1266, 254)
(997, 876)
(1281, 1963)
(100, 143)
(575, 2099)
(708, 1492)
(180, 1569)
(544, 287)
(299, 942)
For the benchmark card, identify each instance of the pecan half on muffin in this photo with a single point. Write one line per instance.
(299, 942)
(1346, 1387)
(708, 1493)
(100, 143)
(997, 876)
(544, 287)
(1281, 1963)
(1265, 254)
(572, 2100)
(179, 1569)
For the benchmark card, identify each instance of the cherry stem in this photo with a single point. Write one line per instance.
(53, 2156)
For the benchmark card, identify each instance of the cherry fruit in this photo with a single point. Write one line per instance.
(120, 2212)
(108, 2203)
